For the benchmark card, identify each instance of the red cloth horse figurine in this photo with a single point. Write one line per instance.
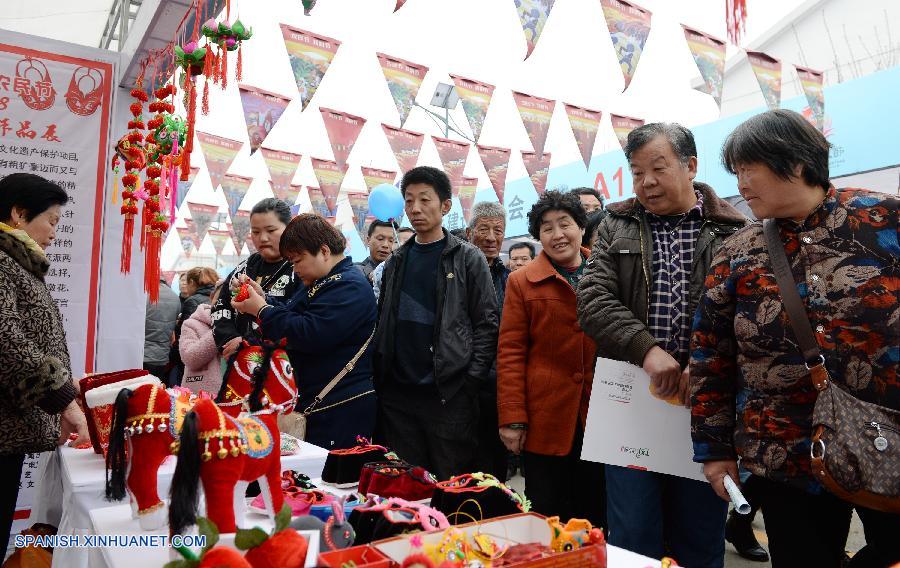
(227, 453)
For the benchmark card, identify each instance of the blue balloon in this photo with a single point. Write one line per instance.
(386, 202)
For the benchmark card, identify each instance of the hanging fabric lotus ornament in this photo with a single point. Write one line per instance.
(191, 59)
(227, 38)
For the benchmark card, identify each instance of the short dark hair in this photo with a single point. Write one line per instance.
(590, 229)
(30, 192)
(589, 191)
(680, 138)
(308, 232)
(460, 234)
(427, 175)
(379, 223)
(281, 209)
(780, 140)
(522, 245)
(406, 230)
(555, 200)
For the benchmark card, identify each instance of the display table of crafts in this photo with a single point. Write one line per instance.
(83, 475)
(117, 521)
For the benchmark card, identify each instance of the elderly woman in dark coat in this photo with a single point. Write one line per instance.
(37, 395)
(327, 323)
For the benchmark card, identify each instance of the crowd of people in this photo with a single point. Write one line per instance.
(459, 359)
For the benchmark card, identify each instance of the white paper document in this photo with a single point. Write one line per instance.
(628, 426)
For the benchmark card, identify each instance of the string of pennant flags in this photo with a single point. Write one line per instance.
(310, 55)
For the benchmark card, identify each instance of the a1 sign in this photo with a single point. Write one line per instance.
(600, 183)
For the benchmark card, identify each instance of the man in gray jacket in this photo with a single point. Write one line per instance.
(636, 300)
(158, 328)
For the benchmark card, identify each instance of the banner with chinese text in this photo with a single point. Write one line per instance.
(359, 204)
(475, 97)
(219, 154)
(262, 110)
(629, 26)
(768, 73)
(343, 129)
(812, 82)
(709, 55)
(623, 125)
(54, 122)
(202, 216)
(235, 188)
(310, 55)
(330, 176)
(536, 114)
(287, 194)
(496, 164)
(453, 156)
(538, 167)
(585, 123)
(219, 239)
(375, 177)
(405, 144)
(467, 196)
(403, 79)
(533, 16)
(282, 166)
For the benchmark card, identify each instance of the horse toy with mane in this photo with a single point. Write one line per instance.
(225, 454)
(147, 422)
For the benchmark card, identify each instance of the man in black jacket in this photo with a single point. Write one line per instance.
(437, 335)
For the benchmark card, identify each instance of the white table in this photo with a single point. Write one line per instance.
(83, 475)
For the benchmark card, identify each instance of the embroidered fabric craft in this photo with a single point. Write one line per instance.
(477, 496)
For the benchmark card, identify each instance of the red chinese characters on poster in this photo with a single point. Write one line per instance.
(54, 122)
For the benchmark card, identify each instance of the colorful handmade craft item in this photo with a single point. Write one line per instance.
(476, 497)
(335, 531)
(385, 518)
(130, 148)
(343, 466)
(284, 547)
(573, 535)
(191, 58)
(99, 405)
(211, 555)
(226, 38)
(237, 384)
(225, 453)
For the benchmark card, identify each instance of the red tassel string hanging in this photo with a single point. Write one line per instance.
(189, 135)
(136, 159)
(239, 67)
(224, 72)
(735, 19)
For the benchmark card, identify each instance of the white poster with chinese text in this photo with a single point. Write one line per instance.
(628, 426)
(54, 122)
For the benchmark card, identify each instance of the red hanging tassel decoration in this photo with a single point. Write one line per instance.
(127, 236)
(204, 107)
(239, 68)
(189, 135)
(224, 72)
(144, 214)
(736, 19)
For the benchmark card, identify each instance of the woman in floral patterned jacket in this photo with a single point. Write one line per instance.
(752, 397)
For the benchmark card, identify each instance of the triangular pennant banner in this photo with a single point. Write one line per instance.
(399, 4)
(768, 73)
(375, 177)
(496, 164)
(187, 240)
(310, 55)
(235, 188)
(453, 156)
(536, 114)
(585, 123)
(317, 201)
(192, 231)
(405, 144)
(359, 204)
(282, 167)
(812, 82)
(403, 79)
(709, 55)
(343, 129)
(537, 166)
(185, 186)
(330, 176)
(475, 97)
(240, 229)
(169, 276)
(629, 26)
(467, 191)
(287, 194)
(219, 154)
(219, 239)
(262, 110)
(202, 215)
(623, 125)
(533, 15)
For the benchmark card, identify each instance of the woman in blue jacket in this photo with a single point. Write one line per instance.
(328, 323)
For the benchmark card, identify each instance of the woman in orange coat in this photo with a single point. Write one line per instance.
(545, 365)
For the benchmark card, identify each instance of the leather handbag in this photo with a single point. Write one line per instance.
(855, 450)
(295, 422)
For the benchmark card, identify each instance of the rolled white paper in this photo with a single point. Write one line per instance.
(737, 498)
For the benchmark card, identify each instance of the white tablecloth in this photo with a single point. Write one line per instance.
(83, 475)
